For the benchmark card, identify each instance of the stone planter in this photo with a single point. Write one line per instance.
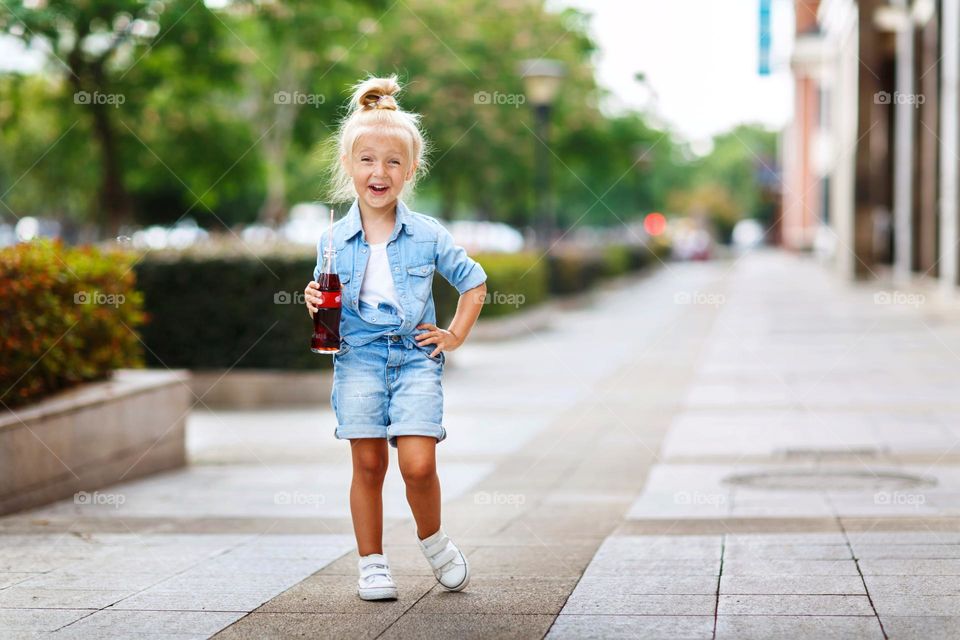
(98, 434)
(262, 388)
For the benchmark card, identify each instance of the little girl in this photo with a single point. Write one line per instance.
(387, 373)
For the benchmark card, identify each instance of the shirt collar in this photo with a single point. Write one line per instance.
(355, 225)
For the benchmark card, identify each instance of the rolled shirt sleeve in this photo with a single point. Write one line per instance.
(453, 263)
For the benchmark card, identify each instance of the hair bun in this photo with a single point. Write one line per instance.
(375, 101)
(377, 93)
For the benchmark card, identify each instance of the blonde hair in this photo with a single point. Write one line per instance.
(374, 109)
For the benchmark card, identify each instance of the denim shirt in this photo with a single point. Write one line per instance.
(418, 246)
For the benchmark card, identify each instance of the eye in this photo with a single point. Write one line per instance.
(395, 162)
(365, 159)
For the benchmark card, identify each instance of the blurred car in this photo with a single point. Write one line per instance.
(183, 234)
(691, 242)
(306, 222)
(489, 237)
(747, 234)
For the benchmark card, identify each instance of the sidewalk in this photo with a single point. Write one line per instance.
(721, 450)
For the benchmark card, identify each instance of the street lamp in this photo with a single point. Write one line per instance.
(542, 79)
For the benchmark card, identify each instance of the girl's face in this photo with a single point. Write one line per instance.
(379, 166)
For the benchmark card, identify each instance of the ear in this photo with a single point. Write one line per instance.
(411, 171)
(345, 162)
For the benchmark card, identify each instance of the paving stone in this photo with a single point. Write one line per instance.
(895, 567)
(639, 604)
(788, 552)
(480, 626)
(903, 537)
(913, 585)
(9, 579)
(18, 597)
(39, 620)
(761, 567)
(780, 539)
(155, 599)
(786, 584)
(496, 595)
(117, 624)
(795, 605)
(913, 605)
(612, 567)
(936, 551)
(646, 585)
(600, 627)
(757, 627)
(531, 560)
(343, 626)
(922, 627)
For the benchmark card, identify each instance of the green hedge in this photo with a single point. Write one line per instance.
(67, 315)
(514, 282)
(228, 311)
(224, 311)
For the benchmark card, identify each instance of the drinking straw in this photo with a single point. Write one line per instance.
(330, 235)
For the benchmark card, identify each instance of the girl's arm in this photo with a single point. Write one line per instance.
(468, 310)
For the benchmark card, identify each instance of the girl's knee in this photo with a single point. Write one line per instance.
(370, 466)
(418, 471)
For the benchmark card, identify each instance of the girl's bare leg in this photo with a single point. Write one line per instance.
(370, 461)
(418, 465)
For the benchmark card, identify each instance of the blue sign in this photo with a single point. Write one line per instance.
(763, 54)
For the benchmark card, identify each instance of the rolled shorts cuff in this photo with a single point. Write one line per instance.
(415, 429)
(354, 431)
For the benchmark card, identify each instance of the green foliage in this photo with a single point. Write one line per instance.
(732, 181)
(515, 282)
(216, 143)
(67, 315)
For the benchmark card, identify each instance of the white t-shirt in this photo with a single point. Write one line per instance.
(377, 285)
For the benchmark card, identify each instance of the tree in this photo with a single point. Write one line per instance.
(92, 45)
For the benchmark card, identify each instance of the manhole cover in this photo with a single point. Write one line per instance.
(828, 480)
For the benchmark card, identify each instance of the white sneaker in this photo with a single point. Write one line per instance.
(375, 582)
(449, 565)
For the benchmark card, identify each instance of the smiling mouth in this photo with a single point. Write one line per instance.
(379, 190)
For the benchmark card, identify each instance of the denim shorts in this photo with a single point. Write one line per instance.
(387, 388)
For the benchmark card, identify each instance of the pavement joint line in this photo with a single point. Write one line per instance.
(866, 589)
(716, 605)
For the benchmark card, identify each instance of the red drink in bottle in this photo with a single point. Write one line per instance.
(326, 320)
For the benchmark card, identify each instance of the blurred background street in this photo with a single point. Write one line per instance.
(712, 391)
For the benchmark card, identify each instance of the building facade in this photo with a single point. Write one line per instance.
(871, 158)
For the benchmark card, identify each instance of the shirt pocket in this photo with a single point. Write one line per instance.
(420, 280)
(344, 275)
